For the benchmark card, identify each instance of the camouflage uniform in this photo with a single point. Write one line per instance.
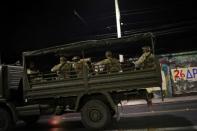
(62, 69)
(146, 60)
(111, 64)
(78, 66)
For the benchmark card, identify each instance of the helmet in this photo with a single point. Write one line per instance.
(108, 54)
(146, 48)
(62, 58)
(75, 58)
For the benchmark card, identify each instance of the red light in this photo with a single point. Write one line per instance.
(55, 120)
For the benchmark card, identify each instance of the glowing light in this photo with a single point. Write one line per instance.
(55, 120)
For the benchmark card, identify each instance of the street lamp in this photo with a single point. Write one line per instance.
(118, 19)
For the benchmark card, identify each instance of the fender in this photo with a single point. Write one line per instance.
(10, 108)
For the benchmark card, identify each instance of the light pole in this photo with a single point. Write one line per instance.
(118, 19)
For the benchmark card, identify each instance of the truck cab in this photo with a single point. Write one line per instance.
(11, 94)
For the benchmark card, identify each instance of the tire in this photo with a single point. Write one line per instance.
(95, 115)
(30, 120)
(6, 123)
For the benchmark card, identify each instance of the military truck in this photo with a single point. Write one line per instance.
(95, 93)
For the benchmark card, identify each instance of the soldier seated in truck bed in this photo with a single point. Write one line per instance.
(110, 64)
(62, 69)
(78, 66)
(146, 60)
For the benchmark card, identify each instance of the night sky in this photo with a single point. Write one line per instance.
(30, 25)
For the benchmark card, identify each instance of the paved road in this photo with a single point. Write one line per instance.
(179, 116)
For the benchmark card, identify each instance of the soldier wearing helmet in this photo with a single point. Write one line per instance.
(76, 64)
(62, 69)
(146, 60)
(111, 64)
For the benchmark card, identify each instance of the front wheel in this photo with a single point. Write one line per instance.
(6, 123)
(95, 114)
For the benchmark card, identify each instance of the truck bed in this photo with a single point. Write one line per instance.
(121, 81)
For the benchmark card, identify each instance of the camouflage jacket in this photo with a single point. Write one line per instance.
(111, 65)
(145, 61)
(62, 70)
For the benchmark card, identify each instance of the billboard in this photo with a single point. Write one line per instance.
(181, 68)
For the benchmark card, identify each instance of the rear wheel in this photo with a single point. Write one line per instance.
(6, 123)
(95, 114)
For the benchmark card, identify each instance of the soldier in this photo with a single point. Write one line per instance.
(77, 66)
(90, 67)
(146, 60)
(33, 73)
(32, 69)
(62, 69)
(80, 65)
(111, 64)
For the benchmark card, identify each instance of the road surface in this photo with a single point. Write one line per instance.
(168, 116)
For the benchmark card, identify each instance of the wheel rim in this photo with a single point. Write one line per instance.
(95, 115)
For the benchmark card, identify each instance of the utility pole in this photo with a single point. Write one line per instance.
(118, 19)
